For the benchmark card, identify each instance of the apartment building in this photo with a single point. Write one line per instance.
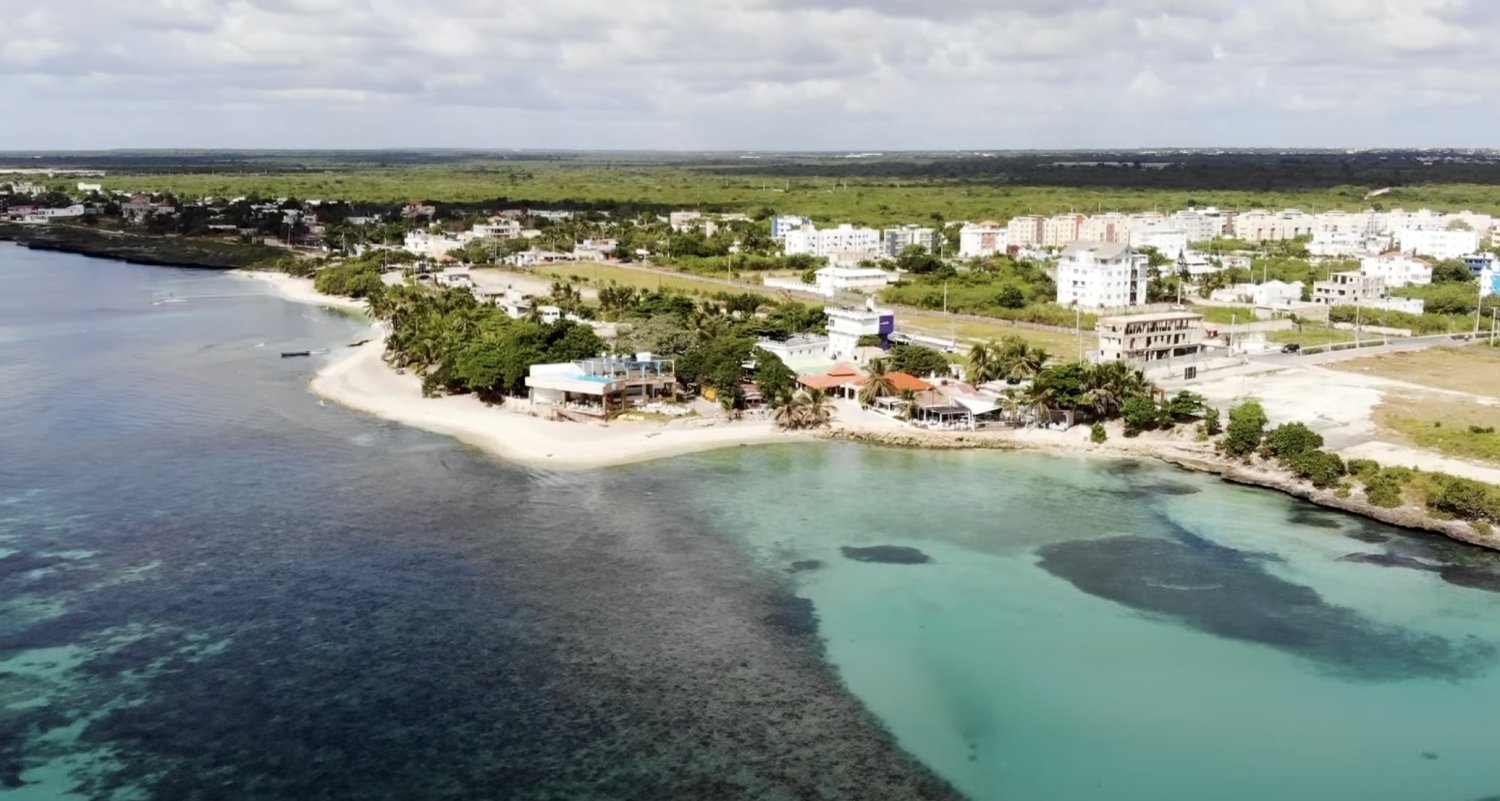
(1110, 227)
(1260, 225)
(986, 238)
(895, 240)
(1437, 244)
(1201, 225)
(844, 243)
(1398, 269)
(1101, 275)
(1061, 230)
(1025, 232)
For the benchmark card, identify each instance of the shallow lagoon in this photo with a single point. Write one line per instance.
(1092, 629)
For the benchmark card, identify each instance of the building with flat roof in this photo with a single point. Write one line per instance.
(833, 280)
(604, 386)
(801, 353)
(1150, 337)
(895, 240)
(1348, 287)
(1398, 269)
(847, 325)
(986, 238)
(1101, 275)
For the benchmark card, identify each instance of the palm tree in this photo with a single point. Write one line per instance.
(1027, 362)
(1040, 401)
(816, 408)
(877, 386)
(1012, 402)
(982, 362)
(909, 405)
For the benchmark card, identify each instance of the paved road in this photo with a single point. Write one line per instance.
(1393, 345)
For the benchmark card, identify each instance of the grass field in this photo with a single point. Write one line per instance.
(1225, 315)
(1310, 336)
(1474, 369)
(1448, 425)
(868, 200)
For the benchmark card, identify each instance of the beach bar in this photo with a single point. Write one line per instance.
(604, 386)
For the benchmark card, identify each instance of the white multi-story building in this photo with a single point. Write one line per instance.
(1061, 230)
(781, 225)
(28, 188)
(1165, 237)
(846, 326)
(986, 238)
(1260, 225)
(1398, 269)
(1341, 243)
(1201, 225)
(498, 228)
(844, 244)
(895, 240)
(684, 220)
(1110, 227)
(1101, 275)
(88, 187)
(431, 246)
(1441, 244)
(1025, 232)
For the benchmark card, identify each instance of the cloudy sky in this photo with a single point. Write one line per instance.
(748, 74)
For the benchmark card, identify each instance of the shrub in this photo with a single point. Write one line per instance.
(1383, 487)
(1465, 498)
(1290, 440)
(1363, 469)
(1322, 468)
(1097, 434)
(1247, 424)
(1140, 414)
(1210, 426)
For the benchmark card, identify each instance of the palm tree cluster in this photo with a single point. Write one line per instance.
(808, 408)
(1107, 385)
(1011, 359)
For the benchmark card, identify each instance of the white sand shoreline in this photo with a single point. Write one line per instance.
(363, 382)
(299, 290)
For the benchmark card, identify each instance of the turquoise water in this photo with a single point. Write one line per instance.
(1225, 650)
(214, 586)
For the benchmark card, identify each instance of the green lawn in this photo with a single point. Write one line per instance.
(1311, 336)
(1225, 315)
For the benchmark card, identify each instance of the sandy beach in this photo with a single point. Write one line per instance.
(298, 290)
(365, 383)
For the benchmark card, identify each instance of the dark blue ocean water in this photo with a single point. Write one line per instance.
(214, 586)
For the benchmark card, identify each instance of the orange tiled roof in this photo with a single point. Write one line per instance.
(904, 381)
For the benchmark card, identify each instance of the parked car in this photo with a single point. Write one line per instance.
(1291, 347)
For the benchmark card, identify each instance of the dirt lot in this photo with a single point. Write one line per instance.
(1474, 369)
(1451, 425)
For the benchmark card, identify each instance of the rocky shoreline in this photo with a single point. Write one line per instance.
(1188, 456)
(161, 251)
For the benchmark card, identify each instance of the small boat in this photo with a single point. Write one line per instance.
(287, 354)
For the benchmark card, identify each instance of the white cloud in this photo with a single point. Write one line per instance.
(750, 73)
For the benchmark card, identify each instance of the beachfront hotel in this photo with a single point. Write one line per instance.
(604, 386)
